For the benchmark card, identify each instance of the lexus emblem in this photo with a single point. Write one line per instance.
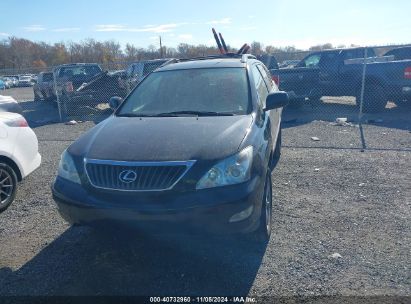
(127, 176)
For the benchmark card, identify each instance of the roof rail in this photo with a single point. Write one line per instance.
(245, 57)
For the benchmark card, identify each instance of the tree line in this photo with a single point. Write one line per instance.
(19, 53)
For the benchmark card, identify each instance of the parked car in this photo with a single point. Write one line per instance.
(19, 155)
(338, 72)
(401, 53)
(2, 85)
(25, 81)
(43, 89)
(69, 78)
(9, 104)
(138, 70)
(8, 83)
(194, 144)
(14, 79)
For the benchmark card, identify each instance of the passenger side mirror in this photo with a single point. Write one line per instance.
(115, 102)
(276, 100)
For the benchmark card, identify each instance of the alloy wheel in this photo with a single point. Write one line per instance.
(6, 187)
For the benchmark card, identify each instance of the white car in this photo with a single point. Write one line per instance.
(19, 155)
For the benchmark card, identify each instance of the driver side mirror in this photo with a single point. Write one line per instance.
(276, 100)
(115, 102)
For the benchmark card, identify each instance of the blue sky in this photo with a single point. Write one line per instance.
(275, 22)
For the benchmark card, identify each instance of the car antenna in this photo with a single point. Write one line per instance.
(223, 43)
(218, 42)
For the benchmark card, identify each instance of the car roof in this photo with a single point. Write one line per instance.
(76, 64)
(204, 63)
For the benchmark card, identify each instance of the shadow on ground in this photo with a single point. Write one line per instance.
(84, 262)
(41, 113)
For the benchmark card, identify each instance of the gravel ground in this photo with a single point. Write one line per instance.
(330, 198)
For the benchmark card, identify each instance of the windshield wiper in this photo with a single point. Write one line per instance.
(136, 115)
(177, 114)
(196, 113)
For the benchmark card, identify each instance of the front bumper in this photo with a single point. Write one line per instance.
(205, 210)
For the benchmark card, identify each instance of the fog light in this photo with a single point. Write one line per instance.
(242, 215)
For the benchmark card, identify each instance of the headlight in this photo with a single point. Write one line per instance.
(67, 169)
(233, 170)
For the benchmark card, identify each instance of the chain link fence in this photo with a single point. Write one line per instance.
(332, 92)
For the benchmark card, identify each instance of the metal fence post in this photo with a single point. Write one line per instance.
(57, 95)
(364, 69)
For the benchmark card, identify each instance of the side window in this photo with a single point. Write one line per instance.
(266, 76)
(351, 54)
(259, 85)
(329, 59)
(312, 61)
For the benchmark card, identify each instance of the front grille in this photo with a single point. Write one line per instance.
(135, 176)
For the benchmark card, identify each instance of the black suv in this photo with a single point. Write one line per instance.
(193, 144)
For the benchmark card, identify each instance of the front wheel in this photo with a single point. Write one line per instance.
(8, 186)
(375, 98)
(36, 96)
(262, 234)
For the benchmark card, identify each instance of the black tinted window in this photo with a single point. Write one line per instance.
(89, 70)
(329, 58)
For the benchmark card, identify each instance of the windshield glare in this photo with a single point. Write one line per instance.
(222, 90)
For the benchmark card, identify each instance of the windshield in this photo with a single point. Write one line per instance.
(220, 90)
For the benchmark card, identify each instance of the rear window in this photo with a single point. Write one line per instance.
(76, 71)
(215, 90)
(400, 54)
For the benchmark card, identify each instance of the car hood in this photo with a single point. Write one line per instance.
(163, 139)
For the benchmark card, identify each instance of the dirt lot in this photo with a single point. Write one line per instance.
(341, 225)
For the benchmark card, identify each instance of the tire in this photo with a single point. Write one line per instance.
(8, 186)
(36, 97)
(263, 232)
(375, 98)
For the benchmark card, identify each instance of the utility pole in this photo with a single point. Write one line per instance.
(161, 48)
